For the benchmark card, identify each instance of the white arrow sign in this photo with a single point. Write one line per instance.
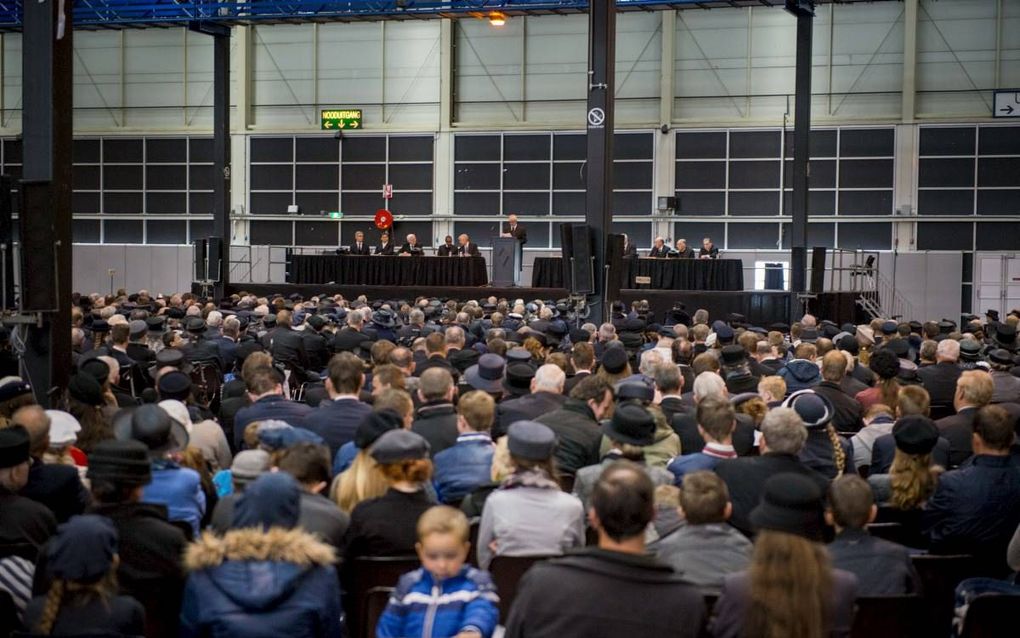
(1007, 103)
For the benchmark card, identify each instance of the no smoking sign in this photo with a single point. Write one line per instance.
(596, 118)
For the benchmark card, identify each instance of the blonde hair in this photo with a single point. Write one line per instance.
(478, 409)
(791, 581)
(443, 519)
(64, 593)
(774, 385)
(360, 482)
(976, 386)
(502, 467)
(912, 480)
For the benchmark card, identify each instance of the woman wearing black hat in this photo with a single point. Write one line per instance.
(790, 589)
(824, 451)
(86, 403)
(886, 365)
(363, 480)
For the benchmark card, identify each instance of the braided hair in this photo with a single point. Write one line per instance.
(838, 453)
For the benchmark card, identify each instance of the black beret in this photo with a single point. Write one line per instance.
(531, 440)
(399, 445)
(915, 434)
(13, 446)
(614, 360)
(15, 387)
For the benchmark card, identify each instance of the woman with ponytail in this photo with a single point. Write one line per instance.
(886, 366)
(790, 589)
(825, 451)
(82, 559)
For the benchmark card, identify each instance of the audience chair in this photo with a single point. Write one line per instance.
(366, 574)
(375, 604)
(474, 524)
(8, 614)
(567, 483)
(889, 617)
(990, 616)
(893, 532)
(939, 577)
(506, 573)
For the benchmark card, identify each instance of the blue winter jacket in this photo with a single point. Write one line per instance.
(257, 584)
(421, 607)
(179, 489)
(800, 374)
(463, 468)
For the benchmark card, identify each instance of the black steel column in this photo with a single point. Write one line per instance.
(804, 11)
(47, 133)
(221, 146)
(599, 182)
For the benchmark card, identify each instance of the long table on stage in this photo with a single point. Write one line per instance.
(387, 270)
(665, 274)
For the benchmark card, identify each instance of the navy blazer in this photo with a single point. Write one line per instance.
(337, 421)
(271, 407)
(882, 568)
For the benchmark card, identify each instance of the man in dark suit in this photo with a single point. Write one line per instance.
(659, 249)
(436, 419)
(683, 251)
(412, 246)
(385, 247)
(56, 486)
(973, 391)
(847, 412)
(629, 249)
(669, 382)
(288, 347)
(708, 249)
(138, 347)
(940, 379)
(435, 352)
(465, 247)
(546, 396)
(349, 338)
(360, 247)
(582, 356)
(448, 249)
(265, 390)
(316, 346)
(337, 419)
(783, 437)
(515, 230)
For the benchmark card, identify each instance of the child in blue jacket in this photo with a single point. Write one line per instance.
(445, 597)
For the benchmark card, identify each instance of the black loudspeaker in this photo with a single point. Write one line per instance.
(582, 277)
(201, 252)
(7, 241)
(566, 252)
(619, 272)
(817, 269)
(38, 254)
(215, 256)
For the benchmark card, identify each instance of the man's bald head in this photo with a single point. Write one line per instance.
(34, 419)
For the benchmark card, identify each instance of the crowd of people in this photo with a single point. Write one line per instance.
(218, 469)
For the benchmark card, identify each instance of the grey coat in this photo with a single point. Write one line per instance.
(529, 521)
(586, 477)
(704, 554)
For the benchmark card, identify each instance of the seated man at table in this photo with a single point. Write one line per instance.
(629, 249)
(447, 249)
(411, 246)
(683, 251)
(359, 247)
(659, 249)
(384, 247)
(466, 247)
(708, 249)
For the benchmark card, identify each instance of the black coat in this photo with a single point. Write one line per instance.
(447, 250)
(672, 406)
(25, 525)
(116, 616)
(436, 362)
(957, 429)
(688, 253)
(317, 349)
(141, 353)
(882, 568)
(348, 339)
(408, 249)
(745, 478)
(685, 425)
(884, 449)
(571, 382)
(630, 251)
(940, 382)
(288, 347)
(578, 435)
(595, 592)
(364, 250)
(526, 408)
(58, 487)
(519, 232)
(847, 411)
(437, 423)
(385, 526)
(470, 249)
(384, 250)
(658, 253)
(712, 253)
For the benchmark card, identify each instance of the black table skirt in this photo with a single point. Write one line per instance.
(385, 270)
(666, 274)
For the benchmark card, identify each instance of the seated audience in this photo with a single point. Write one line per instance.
(436, 419)
(576, 424)
(824, 451)
(363, 480)
(878, 421)
(886, 366)
(265, 391)
(57, 486)
(337, 419)
(974, 390)
(716, 420)
(466, 466)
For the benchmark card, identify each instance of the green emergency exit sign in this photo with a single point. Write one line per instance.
(340, 119)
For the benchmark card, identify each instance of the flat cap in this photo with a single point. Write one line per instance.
(531, 440)
(399, 445)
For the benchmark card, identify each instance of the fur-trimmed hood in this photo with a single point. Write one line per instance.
(293, 546)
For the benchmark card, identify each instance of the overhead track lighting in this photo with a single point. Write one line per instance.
(497, 18)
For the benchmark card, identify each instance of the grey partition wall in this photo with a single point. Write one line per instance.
(165, 269)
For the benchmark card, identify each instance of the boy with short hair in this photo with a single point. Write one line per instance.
(444, 596)
(463, 468)
(882, 568)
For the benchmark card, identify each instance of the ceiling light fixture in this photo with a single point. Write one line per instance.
(497, 18)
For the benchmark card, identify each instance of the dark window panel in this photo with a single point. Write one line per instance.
(568, 204)
(999, 140)
(754, 144)
(939, 140)
(13, 152)
(363, 177)
(14, 171)
(482, 232)
(85, 178)
(817, 235)
(372, 234)
(945, 202)
(166, 177)
(863, 236)
(476, 177)
(266, 204)
(1004, 202)
(166, 203)
(998, 171)
(700, 175)
(413, 148)
(363, 149)
(83, 203)
(526, 176)
(693, 232)
(84, 151)
(701, 145)
(754, 174)
(821, 143)
(866, 174)
(84, 231)
(992, 236)
(710, 203)
(166, 150)
(482, 148)
(316, 203)
(822, 174)
(867, 142)
(635, 203)
(122, 177)
(865, 203)
(758, 236)
(567, 146)
(166, 231)
(945, 172)
(280, 233)
(272, 149)
(414, 177)
(945, 236)
(202, 203)
(526, 147)
(200, 149)
(639, 234)
(315, 233)
(360, 203)
(968, 266)
(632, 175)
(122, 150)
(122, 203)
(422, 229)
(526, 203)
(198, 228)
(122, 231)
(633, 146)
(272, 177)
(819, 202)
(754, 203)
(404, 203)
(317, 149)
(317, 177)
(569, 176)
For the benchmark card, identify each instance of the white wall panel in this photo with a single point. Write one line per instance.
(350, 64)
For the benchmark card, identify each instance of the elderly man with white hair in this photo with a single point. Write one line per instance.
(940, 379)
(710, 384)
(411, 246)
(546, 395)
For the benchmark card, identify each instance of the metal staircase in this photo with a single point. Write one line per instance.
(857, 272)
